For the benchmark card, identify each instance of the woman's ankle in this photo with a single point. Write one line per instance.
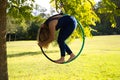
(72, 55)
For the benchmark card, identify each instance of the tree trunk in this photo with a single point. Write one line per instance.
(3, 56)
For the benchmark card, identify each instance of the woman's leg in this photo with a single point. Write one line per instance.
(63, 35)
(67, 24)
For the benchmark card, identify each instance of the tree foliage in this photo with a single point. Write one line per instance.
(33, 29)
(11, 25)
(109, 14)
(110, 8)
(20, 8)
(82, 10)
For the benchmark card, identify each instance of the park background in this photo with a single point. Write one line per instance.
(99, 60)
(99, 21)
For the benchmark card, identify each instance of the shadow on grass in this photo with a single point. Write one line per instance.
(29, 53)
(23, 54)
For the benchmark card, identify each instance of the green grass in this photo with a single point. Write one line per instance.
(99, 60)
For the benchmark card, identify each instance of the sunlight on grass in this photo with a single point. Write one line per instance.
(99, 60)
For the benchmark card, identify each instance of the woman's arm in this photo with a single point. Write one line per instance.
(52, 26)
(52, 32)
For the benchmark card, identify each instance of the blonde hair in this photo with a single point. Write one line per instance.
(43, 35)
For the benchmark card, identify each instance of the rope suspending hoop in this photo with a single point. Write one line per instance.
(83, 41)
(59, 6)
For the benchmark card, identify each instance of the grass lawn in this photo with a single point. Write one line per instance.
(99, 60)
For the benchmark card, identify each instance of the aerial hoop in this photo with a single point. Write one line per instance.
(82, 46)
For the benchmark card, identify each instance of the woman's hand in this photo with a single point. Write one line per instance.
(42, 44)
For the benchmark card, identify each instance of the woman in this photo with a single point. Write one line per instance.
(46, 33)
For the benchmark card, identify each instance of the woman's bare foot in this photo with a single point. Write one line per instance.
(61, 60)
(71, 57)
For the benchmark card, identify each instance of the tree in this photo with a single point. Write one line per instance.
(82, 10)
(20, 11)
(111, 9)
(3, 57)
(109, 14)
(33, 29)
(11, 28)
(16, 8)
